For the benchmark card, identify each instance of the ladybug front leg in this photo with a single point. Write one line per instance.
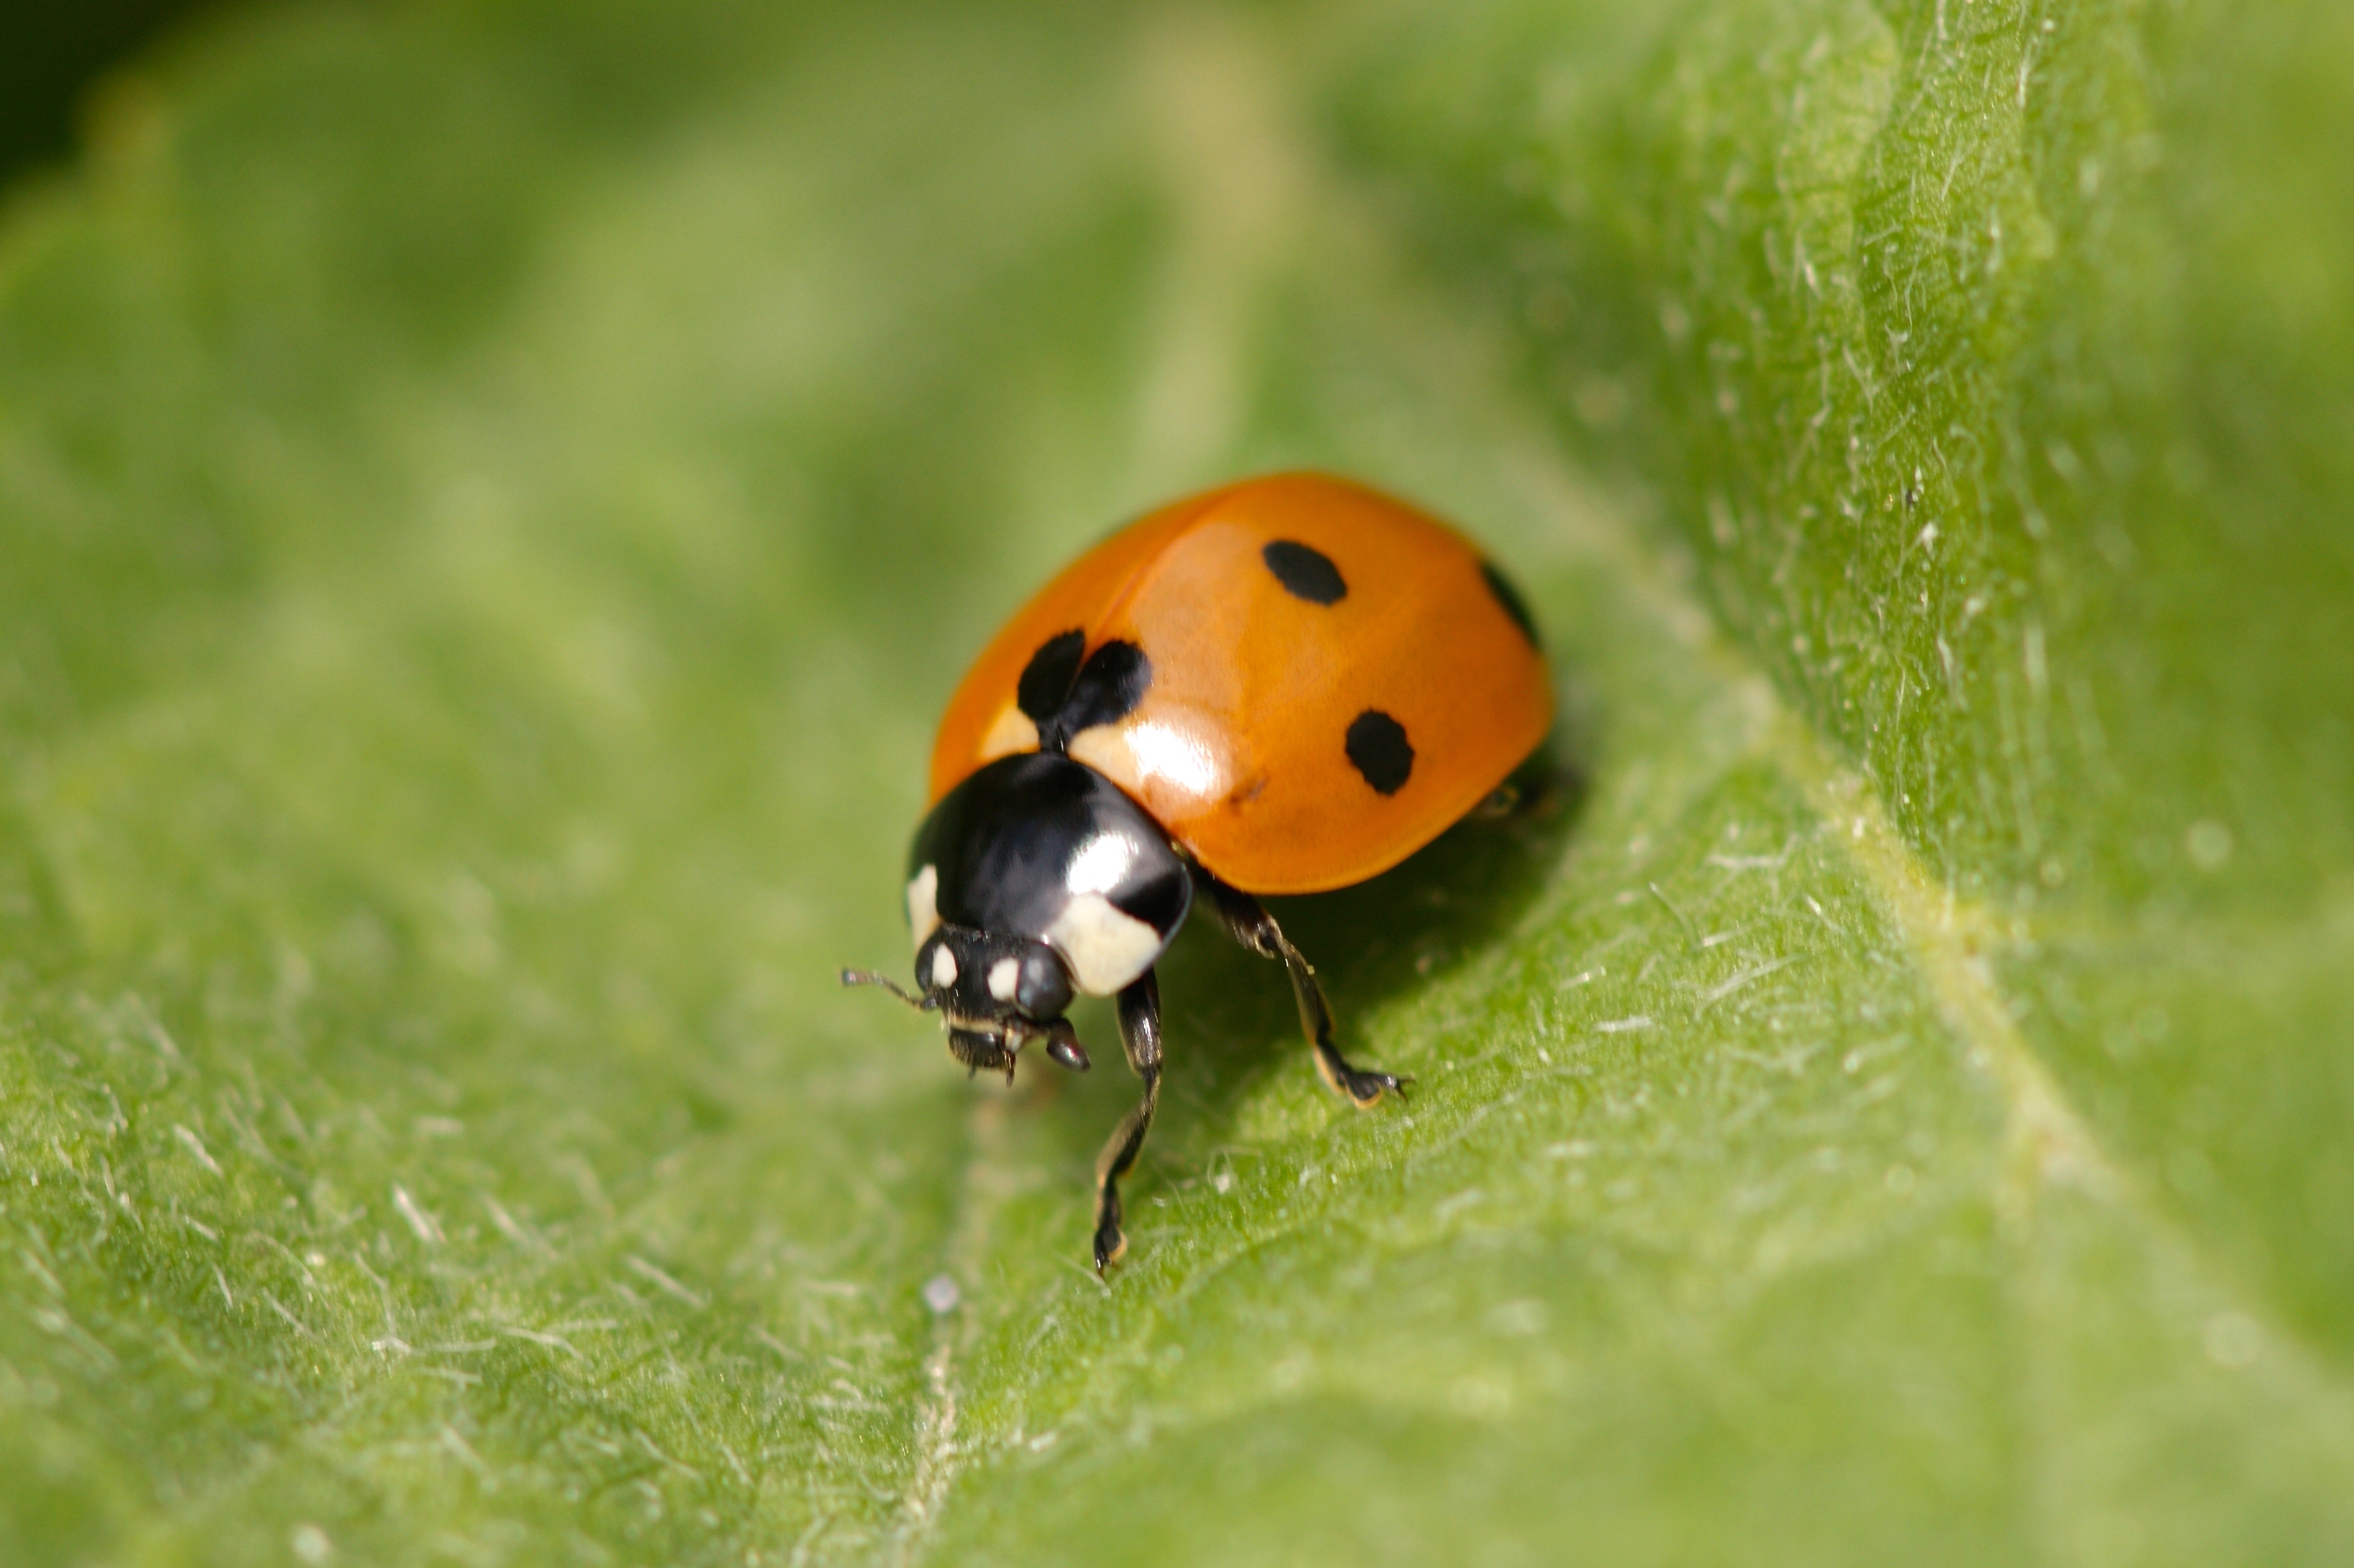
(1247, 921)
(1140, 1036)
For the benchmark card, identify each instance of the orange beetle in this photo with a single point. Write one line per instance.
(1284, 685)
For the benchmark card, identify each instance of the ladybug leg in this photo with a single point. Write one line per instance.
(1140, 1036)
(1247, 921)
(1063, 1046)
(1505, 801)
(1537, 787)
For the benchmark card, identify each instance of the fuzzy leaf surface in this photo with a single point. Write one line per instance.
(494, 496)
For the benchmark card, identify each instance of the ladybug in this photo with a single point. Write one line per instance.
(1287, 684)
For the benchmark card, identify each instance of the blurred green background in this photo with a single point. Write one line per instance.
(493, 496)
(56, 56)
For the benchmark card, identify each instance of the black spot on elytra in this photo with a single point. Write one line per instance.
(1108, 687)
(1378, 746)
(1046, 679)
(1509, 598)
(1305, 572)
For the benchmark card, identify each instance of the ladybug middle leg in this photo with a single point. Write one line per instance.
(1140, 1036)
(1247, 921)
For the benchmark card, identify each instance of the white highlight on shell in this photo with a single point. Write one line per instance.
(944, 967)
(1163, 753)
(1155, 754)
(924, 903)
(1107, 949)
(1004, 975)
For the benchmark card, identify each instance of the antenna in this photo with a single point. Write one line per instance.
(868, 977)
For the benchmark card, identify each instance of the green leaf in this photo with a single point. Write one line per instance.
(494, 497)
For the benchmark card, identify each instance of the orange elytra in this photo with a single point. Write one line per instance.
(1275, 613)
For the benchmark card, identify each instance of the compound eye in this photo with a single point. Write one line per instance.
(1043, 990)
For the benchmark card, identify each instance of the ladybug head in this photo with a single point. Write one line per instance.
(1034, 880)
(997, 993)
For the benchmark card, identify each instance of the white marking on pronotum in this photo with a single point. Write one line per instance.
(1101, 866)
(1003, 976)
(944, 965)
(1106, 948)
(924, 903)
